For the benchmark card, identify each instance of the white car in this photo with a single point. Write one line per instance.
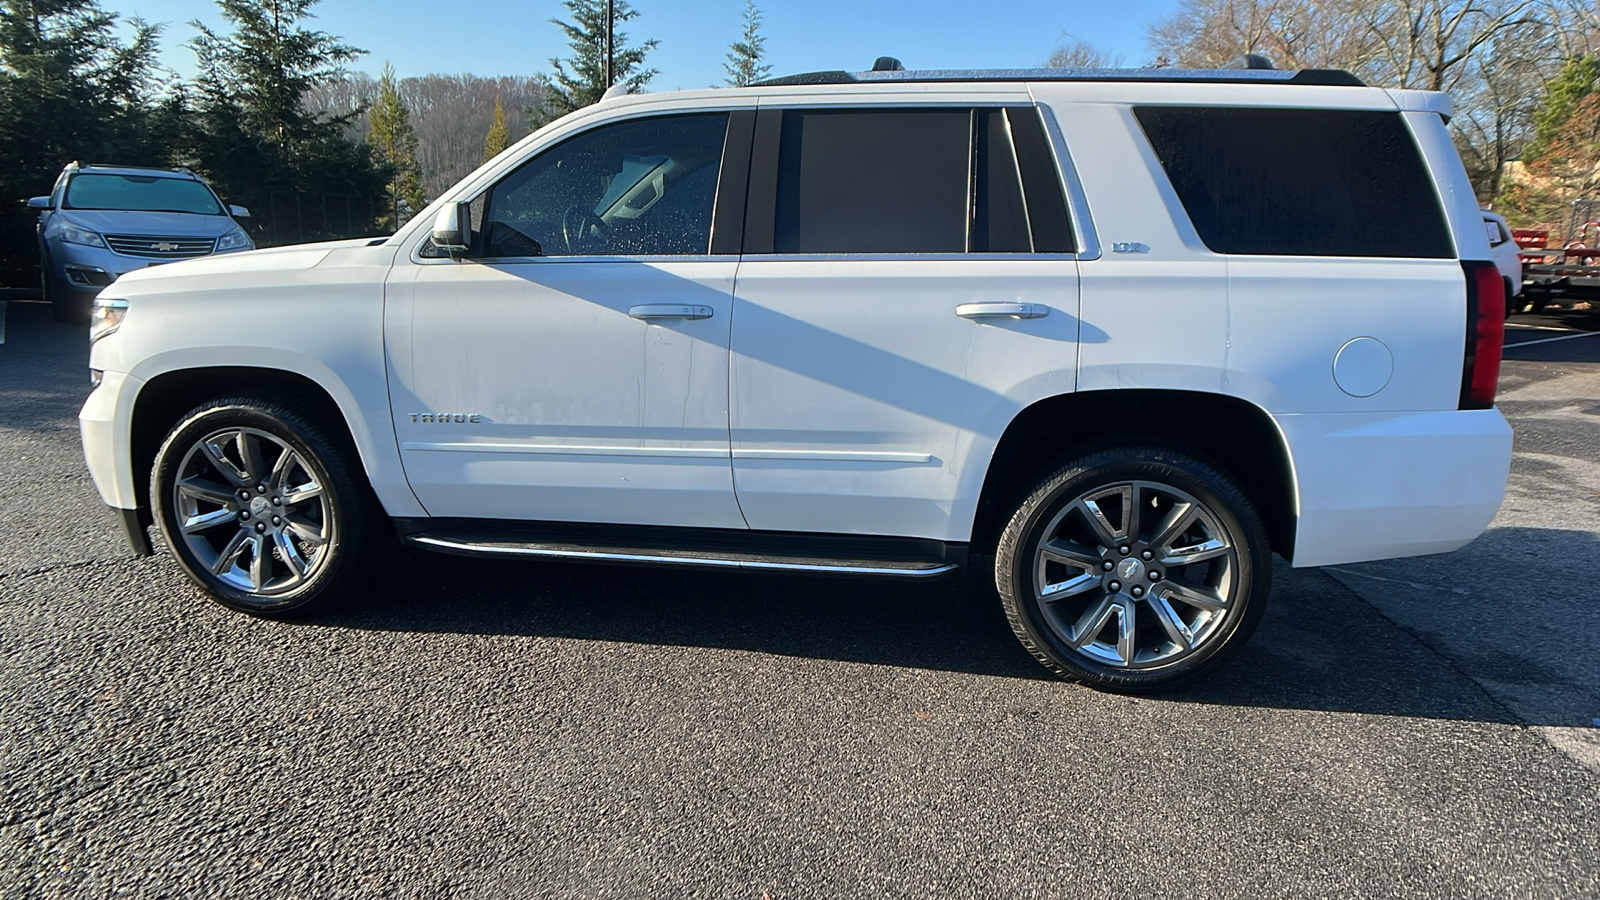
(1119, 336)
(1507, 258)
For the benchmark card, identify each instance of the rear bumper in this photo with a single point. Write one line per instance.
(1384, 485)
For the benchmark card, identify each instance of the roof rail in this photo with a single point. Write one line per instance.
(1335, 77)
(101, 165)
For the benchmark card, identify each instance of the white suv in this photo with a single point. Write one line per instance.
(1127, 333)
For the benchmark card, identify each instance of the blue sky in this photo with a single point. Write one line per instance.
(495, 37)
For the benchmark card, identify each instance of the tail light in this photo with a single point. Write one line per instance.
(1486, 329)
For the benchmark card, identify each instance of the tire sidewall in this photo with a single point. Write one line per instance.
(313, 450)
(1015, 565)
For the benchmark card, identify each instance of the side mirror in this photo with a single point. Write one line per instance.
(238, 212)
(452, 229)
(38, 202)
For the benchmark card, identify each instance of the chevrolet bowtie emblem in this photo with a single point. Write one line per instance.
(164, 246)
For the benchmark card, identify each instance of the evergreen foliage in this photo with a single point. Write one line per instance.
(579, 80)
(745, 55)
(498, 138)
(389, 132)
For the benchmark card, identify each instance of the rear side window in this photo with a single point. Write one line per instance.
(858, 181)
(1300, 182)
(905, 180)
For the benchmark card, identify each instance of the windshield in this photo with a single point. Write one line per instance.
(148, 193)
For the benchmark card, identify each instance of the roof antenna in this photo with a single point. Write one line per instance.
(1252, 61)
(890, 64)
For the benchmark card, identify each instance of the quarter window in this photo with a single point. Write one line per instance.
(1300, 182)
(644, 187)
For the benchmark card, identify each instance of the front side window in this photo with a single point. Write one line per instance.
(639, 188)
(142, 193)
(1300, 182)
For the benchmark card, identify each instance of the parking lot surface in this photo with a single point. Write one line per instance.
(1419, 728)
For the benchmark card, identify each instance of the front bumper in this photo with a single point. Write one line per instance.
(1385, 485)
(104, 424)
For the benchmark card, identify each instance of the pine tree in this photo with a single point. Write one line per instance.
(253, 135)
(1578, 78)
(745, 55)
(389, 131)
(498, 139)
(584, 84)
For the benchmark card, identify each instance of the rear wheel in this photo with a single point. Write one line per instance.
(1134, 568)
(264, 507)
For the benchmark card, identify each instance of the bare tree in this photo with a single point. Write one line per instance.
(1072, 53)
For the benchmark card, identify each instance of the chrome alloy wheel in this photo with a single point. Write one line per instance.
(252, 511)
(1135, 575)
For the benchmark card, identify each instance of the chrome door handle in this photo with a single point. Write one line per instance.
(1002, 310)
(669, 311)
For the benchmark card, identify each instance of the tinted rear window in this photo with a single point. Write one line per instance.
(1300, 182)
(873, 181)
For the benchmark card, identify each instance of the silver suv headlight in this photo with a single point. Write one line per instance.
(235, 240)
(105, 316)
(76, 234)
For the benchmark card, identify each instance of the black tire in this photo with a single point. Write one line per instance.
(1152, 476)
(320, 513)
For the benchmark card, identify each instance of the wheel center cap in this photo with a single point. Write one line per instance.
(1130, 570)
(259, 506)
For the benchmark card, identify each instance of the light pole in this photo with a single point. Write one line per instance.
(610, 30)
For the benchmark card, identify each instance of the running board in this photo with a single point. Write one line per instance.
(510, 546)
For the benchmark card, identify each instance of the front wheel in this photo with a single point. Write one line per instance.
(1134, 568)
(264, 508)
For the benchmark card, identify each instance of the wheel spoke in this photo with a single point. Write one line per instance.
(1104, 531)
(1202, 598)
(1125, 629)
(305, 531)
(291, 556)
(1184, 556)
(255, 468)
(258, 565)
(1088, 581)
(230, 552)
(278, 481)
(301, 493)
(204, 489)
(219, 459)
(207, 521)
(1091, 623)
(1179, 518)
(1171, 622)
(1070, 554)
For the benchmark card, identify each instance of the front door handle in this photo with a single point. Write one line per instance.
(669, 311)
(1002, 310)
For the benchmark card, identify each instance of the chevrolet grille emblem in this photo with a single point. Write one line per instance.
(164, 246)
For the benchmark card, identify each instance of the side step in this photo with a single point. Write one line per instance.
(807, 559)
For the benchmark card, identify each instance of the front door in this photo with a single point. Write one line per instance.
(573, 366)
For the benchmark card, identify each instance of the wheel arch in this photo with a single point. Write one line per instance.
(167, 396)
(1237, 435)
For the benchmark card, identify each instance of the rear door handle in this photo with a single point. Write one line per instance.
(669, 311)
(1002, 310)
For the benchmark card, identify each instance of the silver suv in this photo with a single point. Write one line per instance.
(103, 221)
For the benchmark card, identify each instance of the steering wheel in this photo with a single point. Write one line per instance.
(576, 224)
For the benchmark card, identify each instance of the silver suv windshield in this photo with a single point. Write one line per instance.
(145, 193)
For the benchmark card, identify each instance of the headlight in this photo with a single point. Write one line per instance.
(234, 240)
(105, 316)
(74, 234)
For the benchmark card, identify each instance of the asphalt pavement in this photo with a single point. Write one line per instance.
(1417, 728)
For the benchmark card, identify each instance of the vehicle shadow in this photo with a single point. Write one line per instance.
(1320, 646)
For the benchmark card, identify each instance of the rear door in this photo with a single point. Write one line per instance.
(897, 286)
